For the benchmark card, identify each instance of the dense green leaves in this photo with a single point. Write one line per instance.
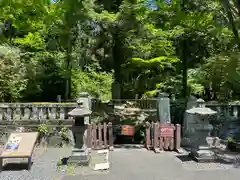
(62, 48)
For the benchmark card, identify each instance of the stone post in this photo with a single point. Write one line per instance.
(189, 118)
(59, 98)
(163, 108)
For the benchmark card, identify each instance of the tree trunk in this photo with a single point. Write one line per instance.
(68, 68)
(116, 88)
(227, 7)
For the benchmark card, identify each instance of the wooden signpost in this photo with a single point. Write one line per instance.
(19, 145)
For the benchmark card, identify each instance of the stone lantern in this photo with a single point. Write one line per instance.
(80, 153)
(200, 130)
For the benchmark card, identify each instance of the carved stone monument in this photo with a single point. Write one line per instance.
(164, 108)
(188, 122)
(80, 153)
(200, 131)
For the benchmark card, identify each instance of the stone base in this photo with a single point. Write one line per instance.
(186, 142)
(203, 155)
(79, 157)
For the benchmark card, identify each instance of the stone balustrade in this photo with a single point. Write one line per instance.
(227, 122)
(35, 111)
(58, 111)
(230, 111)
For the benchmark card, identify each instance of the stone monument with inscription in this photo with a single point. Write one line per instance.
(199, 132)
(163, 108)
(81, 114)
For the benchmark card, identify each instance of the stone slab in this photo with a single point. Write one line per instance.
(80, 157)
(102, 166)
(203, 159)
(100, 160)
(203, 156)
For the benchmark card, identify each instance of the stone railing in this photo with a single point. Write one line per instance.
(58, 111)
(230, 111)
(227, 121)
(35, 111)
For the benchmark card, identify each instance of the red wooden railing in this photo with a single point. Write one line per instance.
(161, 137)
(100, 136)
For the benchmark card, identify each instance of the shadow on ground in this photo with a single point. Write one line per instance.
(129, 146)
(16, 166)
(228, 160)
(184, 158)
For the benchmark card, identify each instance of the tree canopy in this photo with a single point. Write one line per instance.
(120, 48)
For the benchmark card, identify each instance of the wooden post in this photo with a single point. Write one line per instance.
(166, 143)
(155, 137)
(1, 164)
(171, 145)
(110, 133)
(100, 143)
(94, 131)
(89, 136)
(105, 134)
(161, 143)
(148, 138)
(178, 138)
(152, 134)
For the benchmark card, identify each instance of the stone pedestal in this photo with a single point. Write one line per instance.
(80, 153)
(200, 149)
(80, 157)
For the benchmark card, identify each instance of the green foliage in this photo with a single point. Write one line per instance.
(12, 74)
(97, 84)
(63, 132)
(50, 47)
(230, 140)
(44, 130)
(32, 40)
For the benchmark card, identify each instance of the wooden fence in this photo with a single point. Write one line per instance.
(100, 136)
(161, 137)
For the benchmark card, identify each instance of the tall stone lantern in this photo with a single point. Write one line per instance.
(80, 152)
(200, 132)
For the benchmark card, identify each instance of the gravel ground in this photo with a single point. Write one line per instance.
(126, 164)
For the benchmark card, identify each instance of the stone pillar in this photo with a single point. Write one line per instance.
(59, 98)
(189, 118)
(163, 108)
